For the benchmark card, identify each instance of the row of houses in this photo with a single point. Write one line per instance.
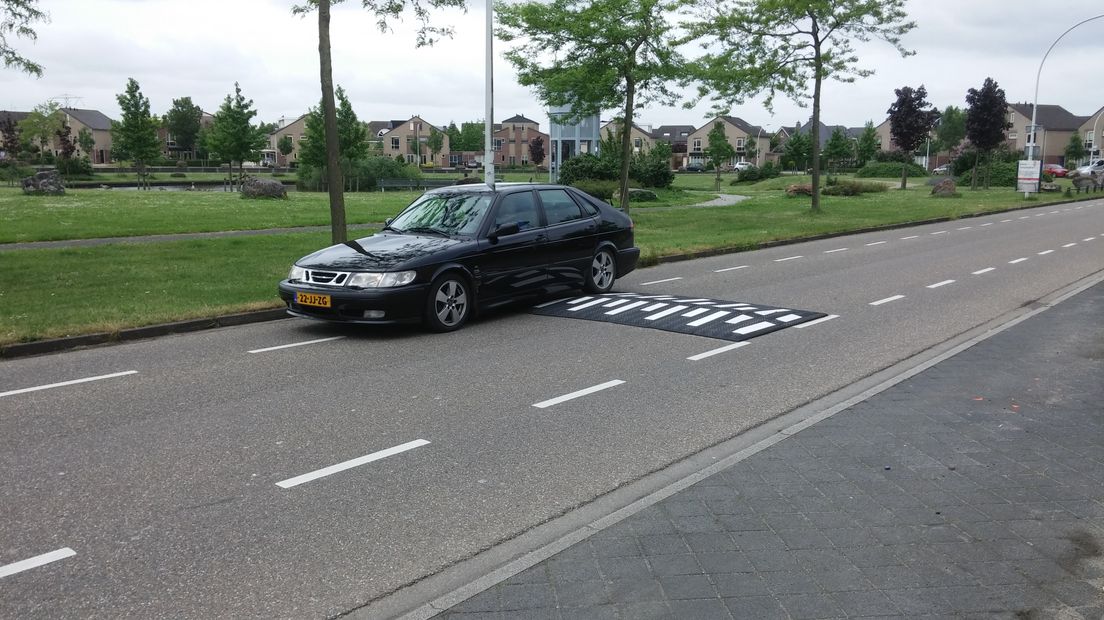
(513, 137)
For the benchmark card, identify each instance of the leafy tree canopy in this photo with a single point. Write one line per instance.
(986, 115)
(134, 137)
(536, 151)
(352, 136)
(867, 146)
(951, 129)
(838, 147)
(911, 118)
(719, 150)
(183, 122)
(232, 135)
(16, 20)
(1075, 149)
(42, 123)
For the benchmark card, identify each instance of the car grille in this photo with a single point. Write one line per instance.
(333, 278)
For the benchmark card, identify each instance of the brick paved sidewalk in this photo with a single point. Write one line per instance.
(973, 489)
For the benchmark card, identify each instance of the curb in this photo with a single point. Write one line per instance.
(55, 345)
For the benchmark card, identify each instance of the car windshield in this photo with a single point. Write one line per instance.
(446, 214)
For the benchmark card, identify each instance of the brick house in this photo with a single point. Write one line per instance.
(511, 139)
(99, 125)
(297, 130)
(739, 134)
(1092, 132)
(1057, 125)
(409, 138)
(641, 137)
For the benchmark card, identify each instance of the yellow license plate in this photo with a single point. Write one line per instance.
(312, 299)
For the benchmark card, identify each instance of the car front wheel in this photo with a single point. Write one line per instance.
(602, 272)
(448, 305)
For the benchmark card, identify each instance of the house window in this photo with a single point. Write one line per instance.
(1012, 135)
(1090, 142)
(409, 158)
(739, 144)
(454, 159)
(638, 143)
(513, 160)
(697, 144)
(394, 144)
(524, 161)
(498, 144)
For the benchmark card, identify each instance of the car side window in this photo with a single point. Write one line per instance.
(559, 207)
(519, 208)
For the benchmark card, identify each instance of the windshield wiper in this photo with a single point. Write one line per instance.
(392, 228)
(428, 229)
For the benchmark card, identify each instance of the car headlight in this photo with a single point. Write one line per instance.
(297, 273)
(380, 280)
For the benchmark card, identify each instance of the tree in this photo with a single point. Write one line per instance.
(42, 124)
(592, 55)
(135, 136)
(797, 150)
(536, 151)
(838, 148)
(453, 133)
(17, 17)
(751, 148)
(86, 141)
(784, 46)
(9, 144)
(352, 137)
(233, 136)
(986, 122)
(285, 145)
(183, 122)
(911, 119)
(951, 129)
(382, 10)
(471, 137)
(1075, 150)
(718, 150)
(66, 149)
(435, 142)
(867, 146)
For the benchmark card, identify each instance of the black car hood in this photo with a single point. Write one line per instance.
(380, 252)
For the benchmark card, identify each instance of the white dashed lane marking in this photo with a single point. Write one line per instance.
(981, 271)
(875, 243)
(836, 250)
(1069, 245)
(782, 260)
(701, 356)
(295, 344)
(65, 383)
(939, 284)
(544, 404)
(368, 458)
(886, 300)
(1018, 260)
(36, 561)
(729, 269)
(1044, 252)
(939, 232)
(987, 224)
(910, 237)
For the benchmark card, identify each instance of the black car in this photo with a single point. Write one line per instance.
(464, 247)
(695, 167)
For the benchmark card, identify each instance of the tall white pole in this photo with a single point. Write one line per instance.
(1095, 152)
(488, 123)
(1035, 106)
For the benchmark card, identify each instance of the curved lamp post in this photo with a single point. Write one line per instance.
(488, 124)
(1035, 105)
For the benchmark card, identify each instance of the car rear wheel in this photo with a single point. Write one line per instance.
(602, 272)
(448, 305)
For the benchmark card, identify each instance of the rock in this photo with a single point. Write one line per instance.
(799, 189)
(45, 183)
(638, 195)
(263, 188)
(1049, 187)
(1087, 182)
(945, 189)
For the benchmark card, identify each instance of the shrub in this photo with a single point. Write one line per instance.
(1048, 177)
(890, 170)
(887, 156)
(75, 167)
(749, 175)
(653, 167)
(599, 188)
(845, 187)
(1003, 173)
(587, 167)
(177, 175)
(180, 163)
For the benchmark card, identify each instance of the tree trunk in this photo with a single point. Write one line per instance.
(814, 129)
(988, 169)
(973, 176)
(329, 115)
(904, 174)
(626, 140)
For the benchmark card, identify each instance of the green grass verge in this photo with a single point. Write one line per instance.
(88, 214)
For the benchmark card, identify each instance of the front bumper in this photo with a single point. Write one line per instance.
(403, 304)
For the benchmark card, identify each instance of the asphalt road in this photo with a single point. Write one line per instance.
(176, 490)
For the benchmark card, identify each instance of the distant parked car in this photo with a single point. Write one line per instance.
(743, 165)
(1095, 167)
(474, 164)
(1055, 170)
(944, 169)
(695, 167)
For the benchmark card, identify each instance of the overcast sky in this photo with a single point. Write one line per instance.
(199, 48)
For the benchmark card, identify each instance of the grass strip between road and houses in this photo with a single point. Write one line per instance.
(49, 293)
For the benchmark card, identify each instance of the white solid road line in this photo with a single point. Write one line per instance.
(939, 284)
(910, 237)
(64, 383)
(886, 300)
(835, 250)
(876, 243)
(1044, 252)
(820, 320)
(566, 397)
(701, 356)
(1069, 245)
(36, 561)
(1018, 260)
(981, 271)
(730, 269)
(368, 458)
(782, 260)
(299, 344)
(659, 281)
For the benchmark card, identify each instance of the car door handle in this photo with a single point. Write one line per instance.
(542, 238)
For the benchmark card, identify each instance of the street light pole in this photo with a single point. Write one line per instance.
(488, 124)
(758, 150)
(1035, 105)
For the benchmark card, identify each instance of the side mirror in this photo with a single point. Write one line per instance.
(388, 221)
(504, 230)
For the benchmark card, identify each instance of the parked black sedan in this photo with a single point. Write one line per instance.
(466, 247)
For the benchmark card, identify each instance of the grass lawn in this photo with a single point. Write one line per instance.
(87, 214)
(57, 292)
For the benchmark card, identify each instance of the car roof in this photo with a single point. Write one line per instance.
(483, 187)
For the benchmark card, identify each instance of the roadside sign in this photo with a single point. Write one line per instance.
(1027, 176)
